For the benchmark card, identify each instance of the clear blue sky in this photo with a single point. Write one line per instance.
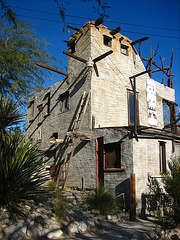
(158, 19)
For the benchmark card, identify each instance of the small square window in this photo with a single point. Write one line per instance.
(124, 49)
(112, 153)
(107, 41)
(64, 102)
(55, 135)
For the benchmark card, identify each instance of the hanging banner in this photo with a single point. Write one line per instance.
(151, 102)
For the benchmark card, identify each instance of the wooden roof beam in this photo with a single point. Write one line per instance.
(139, 40)
(74, 56)
(113, 32)
(73, 28)
(98, 22)
(52, 69)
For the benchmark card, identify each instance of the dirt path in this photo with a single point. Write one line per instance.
(139, 229)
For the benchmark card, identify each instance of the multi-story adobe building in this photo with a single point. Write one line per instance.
(120, 134)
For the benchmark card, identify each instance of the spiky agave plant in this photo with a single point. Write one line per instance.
(22, 174)
(101, 199)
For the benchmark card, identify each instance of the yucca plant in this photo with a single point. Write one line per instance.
(22, 174)
(102, 200)
(9, 114)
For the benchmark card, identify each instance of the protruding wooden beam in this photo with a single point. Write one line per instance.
(102, 56)
(52, 69)
(79, 134)
(57, 141)
(139, 40)
(121, 38)
(72, 27)
(159, 69)
(98, 21)
(74, 56)
(113, 32)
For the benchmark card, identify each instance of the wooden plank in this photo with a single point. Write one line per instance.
(72, 27)
(84, 110)
(98, 21)
(79, 134)
(113, 32)
(139, 40)
(102, 56)
(139, 74)
(78, 113)
(75, 57)
(57, 141)
(133, 197)
(52, 69)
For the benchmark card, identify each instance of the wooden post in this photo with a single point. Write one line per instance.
(132, 197)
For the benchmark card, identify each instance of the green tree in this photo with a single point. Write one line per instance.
(8, 13)
(20, 50)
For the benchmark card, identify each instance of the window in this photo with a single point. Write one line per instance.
(40, 108)
(39, 133)
(55, 135)
(39, 136)
(131, 112)
(48, 104)
(169, 116)
(72, 46)
(107, 41)
(124, 49)
(64, 101)
(31, 106)
(112, 155)
(162, 157)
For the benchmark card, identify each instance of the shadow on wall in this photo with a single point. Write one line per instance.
(122, 192)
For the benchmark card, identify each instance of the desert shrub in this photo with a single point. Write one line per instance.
(102, 200)
(164, 196)
(52, 186)
(60, 206)
(171, 182)
(22, 174)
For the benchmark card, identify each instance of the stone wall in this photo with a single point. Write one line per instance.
(146, 162)
(110, 82)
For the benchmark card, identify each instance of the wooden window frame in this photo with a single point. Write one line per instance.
(107, 41)
(40, 114)
(124, 49)
(64, 99)
(137, 108)
(112, 169)
(48, 104)
(31, 106)
(162, 157)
